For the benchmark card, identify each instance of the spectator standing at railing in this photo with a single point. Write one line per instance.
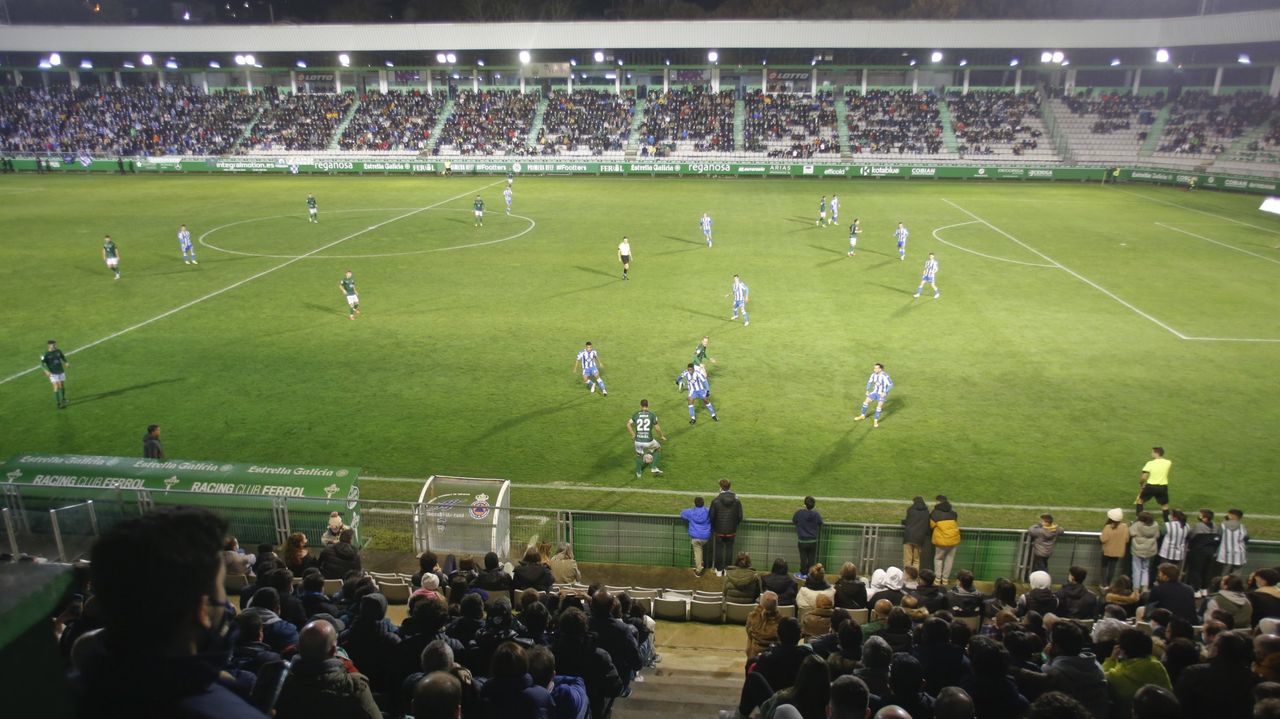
(915, 527)
(946, 537)
(151, 446)
(1043, 538)
(726, 515)
(699, 519)
(564, 568)
(808, 523)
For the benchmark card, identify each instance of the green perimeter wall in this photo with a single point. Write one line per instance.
(656, 168)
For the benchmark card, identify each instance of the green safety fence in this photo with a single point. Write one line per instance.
(1201, 179)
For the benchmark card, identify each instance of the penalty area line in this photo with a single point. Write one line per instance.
(249, 279)
(787, 497)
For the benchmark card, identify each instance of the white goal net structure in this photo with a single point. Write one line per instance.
(463, 515)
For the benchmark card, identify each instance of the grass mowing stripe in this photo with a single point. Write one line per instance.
(1070, 271)
(1216, 242)
(246, 280)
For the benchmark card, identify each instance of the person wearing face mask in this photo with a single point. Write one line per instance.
(163, 649)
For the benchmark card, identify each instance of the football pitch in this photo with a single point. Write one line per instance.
(1078, 325)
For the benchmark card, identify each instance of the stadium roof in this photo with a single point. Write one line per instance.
(1225, 29)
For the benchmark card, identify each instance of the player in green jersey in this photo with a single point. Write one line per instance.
(111, 255)
(643, 425)
(55, 366)
(311, 209)
(348, 285)
(699, 357)
(478, 205)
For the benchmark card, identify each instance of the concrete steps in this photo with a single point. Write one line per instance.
(248, 128)
(842, 127)
(739, 122)
(536, 124)
(636, 121)
(445, 112)
(1155, 131)
(701, 673)
(948, 129)
(342, 126)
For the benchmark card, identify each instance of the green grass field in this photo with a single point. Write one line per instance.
(1073, 333)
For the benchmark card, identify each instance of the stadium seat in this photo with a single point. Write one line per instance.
(236, 583)
(974, 623)
(788, 610)
(674, 610)
(709, 612)
(332, 586)
(395, 593)
(266, 690)
(702, 596)
(735, 613)
(860, 615)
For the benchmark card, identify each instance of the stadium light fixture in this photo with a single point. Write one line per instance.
(497, 76)
(1066, 62)
(441, 58)
(713, 57)
(171, 63)
(86, 64)
(1162, 55)
(619, 62)
(186, 16)
(239, 59)
(599, 57)
(525, 57)
(1013, 62)
(963, 62)
(55, 59)
(1046, 56)
(1115, 61)
(1243, 59)
(302, 64)
(146, 60)
(456, 76)
(215, 64)
(451, 58)
(1058, 57)
(936, 56)
(128, 65)
(573, 62)
(388, 63)
(44, 65)
(913, 62)
(668, 62)
(248, 60)
(480, 61)
(344, 60)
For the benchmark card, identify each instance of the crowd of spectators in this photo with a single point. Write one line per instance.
(1115, 112)
(489, 122)
(146, 121)
(504, 644)
(681, 120)
(787, 125)
(901, 122)
(988, 121)
(596, 121)
(395, 120)
(1200, 122)
(297, 121)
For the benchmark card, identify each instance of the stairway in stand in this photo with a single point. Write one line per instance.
(346, 120)
(690, 682)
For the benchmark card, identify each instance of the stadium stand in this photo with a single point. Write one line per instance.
(489, 122)
(893, 123)
(1000, 124)
(392, 121)
(1108, 127)
(176, 120)
(297, 122)
(792, 126)
(684, 121)
(1202, 125)
(586, 122)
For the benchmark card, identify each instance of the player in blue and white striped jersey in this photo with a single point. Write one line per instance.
(506, 196)
(930, 276)
(705, 223)
(901, 235)
(878, 386)
(835, 210)
(695, 378)
(589, 360)
(188, 250)
(740, 294)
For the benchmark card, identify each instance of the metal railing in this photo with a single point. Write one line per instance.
(601, 537)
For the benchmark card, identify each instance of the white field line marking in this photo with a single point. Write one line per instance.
(1231, 339)
(979, 254)
(246, 280)
(1071, 272)
(1222, 244)
(210, 245)
(1202, 212)
(787, 497)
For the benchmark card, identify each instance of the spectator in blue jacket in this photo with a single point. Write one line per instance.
(808, 524)
(569, 693)
(699, 519)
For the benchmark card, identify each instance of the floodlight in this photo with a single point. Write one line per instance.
(1162, 55)
(390, 64)
(480, 61)
(1046, 56)
(44, 65)
(713, 56)
(86, 65)
(451, 58)
(215, 64)
(1058, 57)
(248, 60)
(524, 57)
(963, 62)
(146, 60)
(239, 59)
(599, 57)
(1115, 61)
(1066, 62)
(302, 64)
(442, 58)
(573, 62)
(344, 60)
(128, 65)
(1243, 59)
(1013, 62)
(55, 58)
(913, 62)
(935, 57)
(171, 63)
